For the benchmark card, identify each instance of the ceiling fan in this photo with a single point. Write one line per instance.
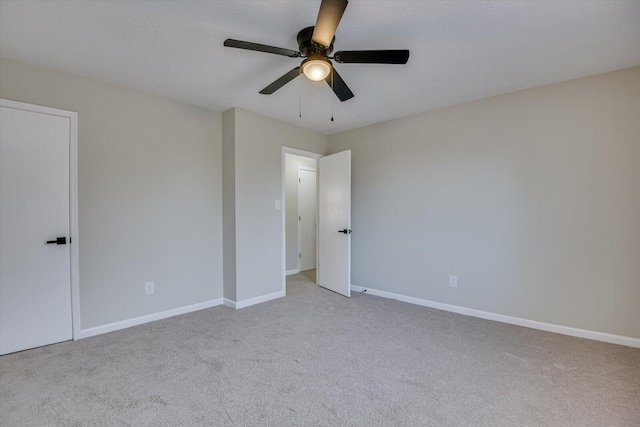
(316, 44)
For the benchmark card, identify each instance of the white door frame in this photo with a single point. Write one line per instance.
(73, 199)
(302, 153)
(299, 242)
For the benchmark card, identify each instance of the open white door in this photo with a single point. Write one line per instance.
(334, 222)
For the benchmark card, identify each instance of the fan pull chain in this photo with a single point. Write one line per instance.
(332, 94)
(300, 92)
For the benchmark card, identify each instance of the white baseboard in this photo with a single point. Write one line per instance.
(290, 272)
(110, 327)
(253, 301)
(534, 324)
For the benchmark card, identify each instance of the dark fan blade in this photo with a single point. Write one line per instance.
(281, 81)
(372, 56)
(261, 48)
(340, 88)
(328, 19)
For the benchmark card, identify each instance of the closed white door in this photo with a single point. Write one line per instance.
(35, 276)
(307, 218)
(334, 222)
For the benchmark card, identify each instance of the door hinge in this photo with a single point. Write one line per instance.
(299, 255)
(299, 217)
(299, 180)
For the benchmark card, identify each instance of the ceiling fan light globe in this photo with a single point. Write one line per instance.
(316, 69)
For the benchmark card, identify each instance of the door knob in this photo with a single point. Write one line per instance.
(58, 241)
(345, 231)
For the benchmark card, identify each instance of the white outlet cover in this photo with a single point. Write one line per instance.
(149, 288)
(453, 281)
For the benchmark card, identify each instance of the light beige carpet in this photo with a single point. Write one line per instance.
(316, 358)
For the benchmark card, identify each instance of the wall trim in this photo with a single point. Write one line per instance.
(290, 272)
(229, 303)
(534, 324)
(123, 324)
(257, 300)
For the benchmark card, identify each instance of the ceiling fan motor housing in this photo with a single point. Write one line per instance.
(308, 48)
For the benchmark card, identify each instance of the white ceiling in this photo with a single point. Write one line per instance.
(460, 50)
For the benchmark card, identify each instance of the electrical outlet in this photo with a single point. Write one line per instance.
(149, 288)
(453, 281)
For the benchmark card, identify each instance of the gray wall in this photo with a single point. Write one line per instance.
(258, 184)
(291, 196)
(150, 202)
(532, 199)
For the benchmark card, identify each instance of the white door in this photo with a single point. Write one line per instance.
(307, 218)
(35, 277)
(334, 222)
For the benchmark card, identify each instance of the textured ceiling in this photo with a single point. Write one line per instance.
(460, 51)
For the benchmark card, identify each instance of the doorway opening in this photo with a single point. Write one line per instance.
(333, 219)
(299, 172)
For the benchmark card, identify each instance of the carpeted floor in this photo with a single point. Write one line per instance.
(316, 358)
